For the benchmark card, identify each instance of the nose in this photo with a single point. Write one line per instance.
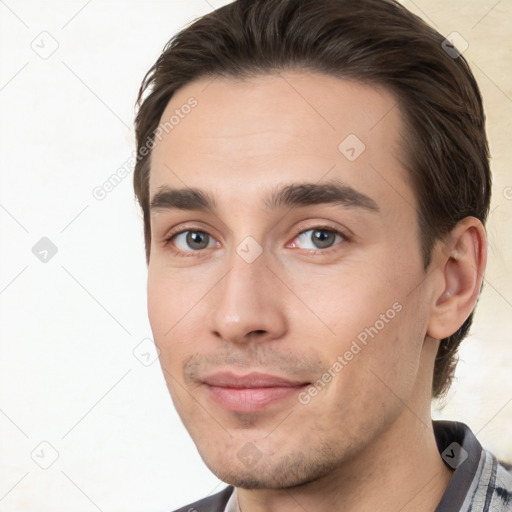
(248, 304)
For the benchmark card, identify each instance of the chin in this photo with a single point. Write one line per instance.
(289, 472)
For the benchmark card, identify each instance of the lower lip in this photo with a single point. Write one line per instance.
(250, 399)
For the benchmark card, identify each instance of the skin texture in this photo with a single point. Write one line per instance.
(364, 442)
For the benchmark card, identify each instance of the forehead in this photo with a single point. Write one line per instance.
(249, 135)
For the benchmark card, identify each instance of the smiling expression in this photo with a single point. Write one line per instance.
(283, 227)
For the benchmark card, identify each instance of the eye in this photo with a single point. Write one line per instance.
(192, 240)
(318, 238)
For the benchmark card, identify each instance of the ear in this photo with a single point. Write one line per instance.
(461, 260)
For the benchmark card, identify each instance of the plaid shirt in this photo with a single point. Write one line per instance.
(480, 483)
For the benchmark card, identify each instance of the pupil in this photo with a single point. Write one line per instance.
(197, 239)
(322, 239)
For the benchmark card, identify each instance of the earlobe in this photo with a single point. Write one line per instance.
(461, 261)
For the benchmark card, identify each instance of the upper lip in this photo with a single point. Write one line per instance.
(250, 380)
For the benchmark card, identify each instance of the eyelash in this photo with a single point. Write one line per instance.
(328, 250)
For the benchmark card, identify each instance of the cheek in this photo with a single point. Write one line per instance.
(369, 323)
(168, 304)
(342, 301)
(172, 294)
(389, 362)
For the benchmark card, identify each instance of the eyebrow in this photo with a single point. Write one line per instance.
(291, 195)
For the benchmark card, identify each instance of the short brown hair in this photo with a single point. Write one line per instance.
(373, 41)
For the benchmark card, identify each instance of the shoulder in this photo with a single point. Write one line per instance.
(215, 503)
(503, 486)
(492, 486)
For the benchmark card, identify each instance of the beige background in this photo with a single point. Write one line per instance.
(74, 394)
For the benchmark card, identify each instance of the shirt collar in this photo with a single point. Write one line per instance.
(460, 450)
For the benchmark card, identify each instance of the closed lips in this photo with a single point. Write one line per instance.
(251, 380)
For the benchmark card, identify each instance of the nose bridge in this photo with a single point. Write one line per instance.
(247, 262)
(243, 303)
(241, 288)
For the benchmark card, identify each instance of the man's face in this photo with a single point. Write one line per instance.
(324, 289)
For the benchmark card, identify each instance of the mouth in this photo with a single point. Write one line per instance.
(250, 393)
